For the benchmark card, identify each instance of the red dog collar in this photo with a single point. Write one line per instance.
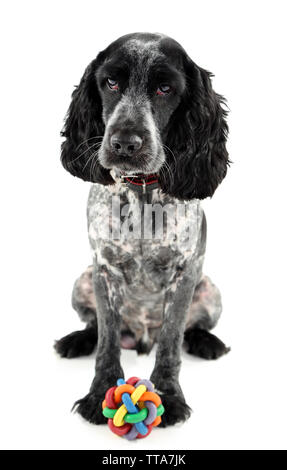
(140, 182)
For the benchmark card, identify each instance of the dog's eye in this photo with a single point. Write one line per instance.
(112, 84)
(163, 89)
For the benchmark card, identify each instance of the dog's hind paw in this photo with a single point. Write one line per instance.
(90, 408)
(203, 344)
(176, 410)
(79, 343)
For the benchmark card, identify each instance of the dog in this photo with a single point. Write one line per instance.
(145, 126)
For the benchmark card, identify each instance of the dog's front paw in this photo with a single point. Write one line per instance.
(90, 408)
(176, 410)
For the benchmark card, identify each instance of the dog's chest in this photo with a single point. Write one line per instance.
(157, 232)
(143, 257)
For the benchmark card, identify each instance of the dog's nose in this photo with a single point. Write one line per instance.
(125, 144)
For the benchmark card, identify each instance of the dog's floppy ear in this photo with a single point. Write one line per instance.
(196, 137)
(84, 129)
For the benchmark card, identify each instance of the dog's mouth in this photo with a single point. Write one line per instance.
(143, 163)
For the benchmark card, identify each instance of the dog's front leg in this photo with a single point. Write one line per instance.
(168, 356)
(108, 368)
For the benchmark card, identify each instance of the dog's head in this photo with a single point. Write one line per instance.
(143, 106)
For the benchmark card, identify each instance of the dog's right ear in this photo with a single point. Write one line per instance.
(84, 129)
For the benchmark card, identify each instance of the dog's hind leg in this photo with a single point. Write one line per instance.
(203, 315)
(83, 342)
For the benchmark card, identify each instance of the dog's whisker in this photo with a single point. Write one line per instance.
(87, 140)
(170, 151)
(164, 165)
(94, 163)
(170, 172)
(97, 144)
(91, 157)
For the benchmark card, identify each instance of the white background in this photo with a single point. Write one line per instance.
(238, 401)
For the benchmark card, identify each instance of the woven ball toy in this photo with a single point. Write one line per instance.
(132, 408)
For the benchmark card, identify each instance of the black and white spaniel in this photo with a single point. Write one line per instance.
(146, 127)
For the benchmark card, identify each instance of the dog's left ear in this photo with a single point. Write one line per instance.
(196, 137)
(84, 129)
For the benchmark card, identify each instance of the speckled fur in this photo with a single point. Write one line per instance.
(144, 324)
